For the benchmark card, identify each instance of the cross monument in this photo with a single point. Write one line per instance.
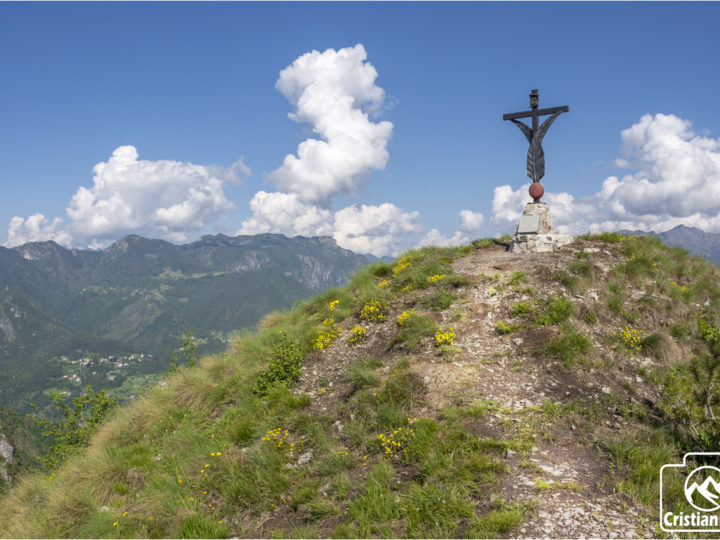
(534, 135)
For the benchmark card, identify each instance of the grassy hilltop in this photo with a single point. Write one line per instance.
(465, 392)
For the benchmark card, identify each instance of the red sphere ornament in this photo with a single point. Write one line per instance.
(536, 190)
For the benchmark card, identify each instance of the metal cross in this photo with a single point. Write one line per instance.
(534, 135)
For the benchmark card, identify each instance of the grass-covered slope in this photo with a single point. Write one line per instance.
(455, 392)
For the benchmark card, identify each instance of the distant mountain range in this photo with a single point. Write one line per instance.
(694, 240)
(127, 307)
(113, 317)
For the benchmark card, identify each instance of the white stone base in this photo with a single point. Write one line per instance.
(539, 243)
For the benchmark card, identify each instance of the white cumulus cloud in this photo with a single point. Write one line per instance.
(379, 230)
(334, 92)
(674, 179)
(287, 214)
(470, 223)
(435, 238)
(35, 228)
(162, 199)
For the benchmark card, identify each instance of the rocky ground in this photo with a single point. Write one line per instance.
(565, 476)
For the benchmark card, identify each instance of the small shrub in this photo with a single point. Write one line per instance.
(692, 398)
(381, 269)
(325, 335)
(489, 278)
(374, 310)
(590, 317)
(521, 309)
(607, 237)
(572, 283)
(556, 311)
(400, 389)
(680, 331)
(362, 377)
(499, 521)
(505, 328)
(517, 278)
(631, 338)
(569, 347)
(80, 419)
(637, 265)
(402, 264)
(615, 303)
(404, 316)
(357, 334)
(581, 268)
(445, 338)
(186, 353)
(652, 344)
(284, 364)
(414, 328)
(440, 301)
(455, 281)
(483, 243)
(201, 526)
(435, 510)
(394, 443)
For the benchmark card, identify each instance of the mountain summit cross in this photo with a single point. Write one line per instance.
(534, 135)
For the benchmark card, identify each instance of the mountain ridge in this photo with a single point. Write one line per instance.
(692, 239)
(142, 295)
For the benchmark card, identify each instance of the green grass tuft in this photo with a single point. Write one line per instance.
(570, 347)
(414, 329)
(503, 327)
(556, 310)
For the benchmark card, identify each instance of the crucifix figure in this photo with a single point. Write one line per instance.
(534, 135)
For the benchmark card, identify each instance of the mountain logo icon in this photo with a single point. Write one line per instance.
(702, 488)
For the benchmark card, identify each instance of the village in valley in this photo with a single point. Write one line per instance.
(121, 374)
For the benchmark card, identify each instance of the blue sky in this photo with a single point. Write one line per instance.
(192, 87)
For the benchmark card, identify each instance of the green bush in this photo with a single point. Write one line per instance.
(572, 283)
(607, 237)
(414, 329)
(401, 389)
(499, 521)
(692, 398)
(362, 377)
(522, 309)
(680, 331)
(440, 300)
(284, 364)
(556, 311)
(80, 419)
(484, 243)
(581, 268)
(569, 347)
(186, 354)
(505, 328)
(517, 278)
(201, 526)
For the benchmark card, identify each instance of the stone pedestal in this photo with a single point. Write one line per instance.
(535, 232)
